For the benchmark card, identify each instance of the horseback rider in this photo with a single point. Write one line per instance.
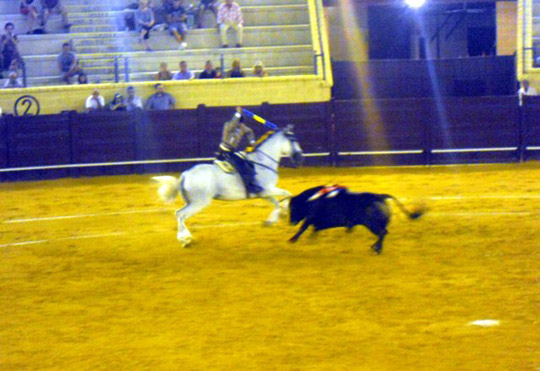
(233, 132)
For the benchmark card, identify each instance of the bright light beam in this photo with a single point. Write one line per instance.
(415, 4)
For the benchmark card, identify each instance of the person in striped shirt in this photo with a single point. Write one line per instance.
(230, 15)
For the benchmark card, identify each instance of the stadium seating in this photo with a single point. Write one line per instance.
(277, 32)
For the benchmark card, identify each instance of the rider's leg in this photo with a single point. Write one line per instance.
(247, 172)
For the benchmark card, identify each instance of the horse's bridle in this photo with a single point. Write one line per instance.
(290, 136)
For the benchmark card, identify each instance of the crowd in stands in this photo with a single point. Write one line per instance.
(160, 100)
(32, 11)
(147, 16)
(144, 16)
(209, 72)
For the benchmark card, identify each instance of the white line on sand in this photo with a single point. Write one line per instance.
(481, 213)
(35, 242)
(149, 211)
(77, 216)
(482, 197)
(22, 243)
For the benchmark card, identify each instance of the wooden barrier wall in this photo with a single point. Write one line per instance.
(476, 76)
(338, 133)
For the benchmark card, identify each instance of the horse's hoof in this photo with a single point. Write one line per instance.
(186, 241)
(184, 238)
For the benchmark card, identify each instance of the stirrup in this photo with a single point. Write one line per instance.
(225, 166)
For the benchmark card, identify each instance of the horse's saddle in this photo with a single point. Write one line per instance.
(225, 165)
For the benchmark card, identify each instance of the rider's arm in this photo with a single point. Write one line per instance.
(248, 133)
(226, 132)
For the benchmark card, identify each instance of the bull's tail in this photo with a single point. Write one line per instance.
(168, 187)
(414, 214)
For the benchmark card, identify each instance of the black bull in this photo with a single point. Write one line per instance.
(346, 209)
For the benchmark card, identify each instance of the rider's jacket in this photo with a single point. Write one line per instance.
(233, 132)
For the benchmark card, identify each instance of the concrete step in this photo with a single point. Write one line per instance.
(149, 62)
(12, 6)
(110, 21)
(93, 28)
(272, 71)
(149, 76)
(56, 80)
(271, 57)
(198, 39)
(124, 3)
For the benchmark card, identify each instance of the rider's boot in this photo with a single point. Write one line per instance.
(254, 188)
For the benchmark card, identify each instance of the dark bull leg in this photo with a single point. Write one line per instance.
(302, 229)
(378, 246)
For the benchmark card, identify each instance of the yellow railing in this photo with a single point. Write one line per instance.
(319, 36)
(526, 69)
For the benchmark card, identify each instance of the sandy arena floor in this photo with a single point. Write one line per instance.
(92, 277)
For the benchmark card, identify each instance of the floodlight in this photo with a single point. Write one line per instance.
(415, 3)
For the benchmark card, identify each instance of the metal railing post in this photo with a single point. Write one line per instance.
(222, 62)
(126, 69)
(116, 71)
(23, 66)
(318, 4)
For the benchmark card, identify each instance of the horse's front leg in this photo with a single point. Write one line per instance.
(274, 215)
(273, 196)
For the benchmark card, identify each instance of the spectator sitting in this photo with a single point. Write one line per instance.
(176, 19)
(219, 73)
(54, 6)
(202, 7)
(236, 70)
(258, 70)
(16, 66)
(133, 102)
(29, 10)
(160, 100)
(94, 102)
(13, 82)
(160, 15)
(82, 79)
(144, 20)
(184, 73)
(230, 15)
(163, 73)
(10, 51)
(209, 71)
(128, 17)
(117, 104)
(68, 63)
(525, 89)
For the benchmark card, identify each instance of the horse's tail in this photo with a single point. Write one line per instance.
(418, 211)
(168, 187)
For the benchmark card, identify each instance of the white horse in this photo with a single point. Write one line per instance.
(205, 182)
